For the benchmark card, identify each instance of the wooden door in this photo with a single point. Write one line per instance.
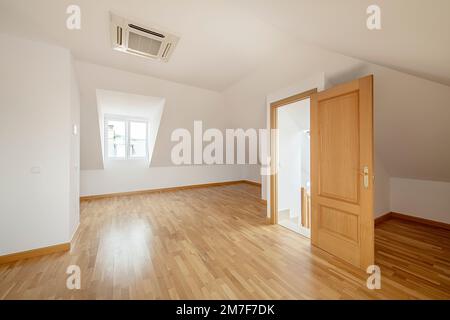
(342, 171)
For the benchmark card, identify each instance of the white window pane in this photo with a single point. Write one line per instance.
(138, 131)
(116, 131)
(116, 139)
(116, 150)
(138, 148)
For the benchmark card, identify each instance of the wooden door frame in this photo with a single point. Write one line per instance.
(274, 148)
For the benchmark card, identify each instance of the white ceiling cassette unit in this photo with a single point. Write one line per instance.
(133, 38)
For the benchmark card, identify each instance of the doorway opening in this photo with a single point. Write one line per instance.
(294, 176)
(291, 185)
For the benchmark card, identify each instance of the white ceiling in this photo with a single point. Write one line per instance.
(219, 43)
(414, 36)
(224, 40)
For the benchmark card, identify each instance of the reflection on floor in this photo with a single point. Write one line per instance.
(285, 220)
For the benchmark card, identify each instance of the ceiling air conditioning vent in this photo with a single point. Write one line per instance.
(147, 42)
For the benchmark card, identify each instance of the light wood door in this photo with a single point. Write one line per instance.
(342, 171)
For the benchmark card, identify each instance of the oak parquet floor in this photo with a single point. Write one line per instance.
(213, 243)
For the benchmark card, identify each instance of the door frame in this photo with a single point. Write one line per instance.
(274, 148)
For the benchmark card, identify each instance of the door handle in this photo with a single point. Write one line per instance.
(366, 177)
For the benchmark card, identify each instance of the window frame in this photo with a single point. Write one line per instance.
(127, 120)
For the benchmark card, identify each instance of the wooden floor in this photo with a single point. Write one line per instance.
(213, 243)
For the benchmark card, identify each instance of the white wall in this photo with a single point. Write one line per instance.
(35, 125)
(420, 198)
(382, 189)
(97, 182)
(74, 131)
(183, 105)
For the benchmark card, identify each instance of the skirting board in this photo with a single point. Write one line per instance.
(383, 218)
(205, 185)
(396, 215)
(34, 253)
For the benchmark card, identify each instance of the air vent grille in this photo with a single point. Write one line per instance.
(119, 35)
(153, 33)
(143, 44)
(166, 50)
(136, 39)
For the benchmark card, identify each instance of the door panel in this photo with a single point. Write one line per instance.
(339, 147)
(342, 146)
(342, 223)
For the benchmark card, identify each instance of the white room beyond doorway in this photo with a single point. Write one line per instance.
(294, 204)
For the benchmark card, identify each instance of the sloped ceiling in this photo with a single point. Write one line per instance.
(414, 35)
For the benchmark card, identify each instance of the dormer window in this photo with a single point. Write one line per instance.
(126, 138)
